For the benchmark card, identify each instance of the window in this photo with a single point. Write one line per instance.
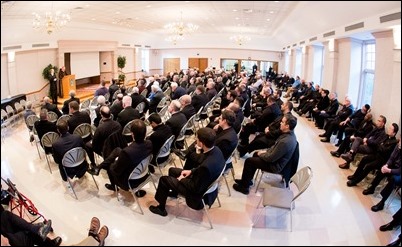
(298, 65)
(145, 59)
(318, 66)
(368, 71)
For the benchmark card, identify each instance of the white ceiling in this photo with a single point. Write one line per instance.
(283, 22)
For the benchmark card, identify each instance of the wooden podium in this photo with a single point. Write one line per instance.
(68, 83)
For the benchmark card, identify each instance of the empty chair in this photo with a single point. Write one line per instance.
(284, 198)
(139, 172)
(74, 158)
(47, 142)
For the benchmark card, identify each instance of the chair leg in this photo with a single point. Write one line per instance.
(259, 181)
(95, 181)
(136, 201)
(72, 188)
(227, 185)
(48, 164)
(259, 215)
(206, 212)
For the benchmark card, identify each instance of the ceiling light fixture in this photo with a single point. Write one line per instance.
(174, 39)
(180, 28)
(50, 21)
(240, 39)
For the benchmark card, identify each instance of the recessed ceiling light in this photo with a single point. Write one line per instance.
(148, 6)
(117, 13)
(237, 18)
(235, 10)
(268, 19)
(271, 12)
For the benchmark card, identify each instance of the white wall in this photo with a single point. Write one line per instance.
(214, 56)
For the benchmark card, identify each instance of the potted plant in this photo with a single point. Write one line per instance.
(121, 63)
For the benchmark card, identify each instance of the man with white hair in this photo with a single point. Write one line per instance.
(177, 91)
(137, 98)
(186, 107)
(66, 103)
(117, 106)
(128, 113)
(50, 107)
(157, 97)
(177, 119)
(101, 102)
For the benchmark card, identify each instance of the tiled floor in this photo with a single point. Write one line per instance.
(328, 213)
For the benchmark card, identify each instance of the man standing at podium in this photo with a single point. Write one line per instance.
(62, 73)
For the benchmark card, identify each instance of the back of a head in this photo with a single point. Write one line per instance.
(101, 100)
(136, 90)
(28, 105)
(74, 105)
(43, 114)
(155, 118)
(72, 93)
(185, 99)
(240, 101)
(291, 121)
(289, 105)
(139, 130)
(175, 104)
(62, 127)
(396, 128)
(207, 136)
(105, 111)
(201, 88)
(127, 101)
(103, 83)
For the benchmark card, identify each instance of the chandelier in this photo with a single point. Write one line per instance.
(50, 21)
(240, 39)
(180, 28)
(174, 38)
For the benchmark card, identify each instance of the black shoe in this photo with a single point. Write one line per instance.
(241, 189)
(242, 150)
(45, 229)
(240, 182)
(351, 183)
(151, 169)
(94, 171)
(325, 140)
(110, 187)
(377, 207)
(388, 227)
(335, 153)
(140, 193)
(158, 210)
(397, 242)
(351, 177)
(322, 135)
(31, 138)
(368, 191)
(56, 241)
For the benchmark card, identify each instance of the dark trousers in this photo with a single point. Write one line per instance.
(393, 180)
(250, 167)
(20, 232)
(108, 162)
(367, 164)
(169, 186)
(260, 142)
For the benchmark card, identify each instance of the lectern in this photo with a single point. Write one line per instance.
(68, 83)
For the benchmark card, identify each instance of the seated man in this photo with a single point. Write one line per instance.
(44, 126)
(16, 231)
(192, 183)
(65, 143)
(96, 234)
(128, 158)
(396, 221)
(273, 159)
(160, 134)
(65, 108)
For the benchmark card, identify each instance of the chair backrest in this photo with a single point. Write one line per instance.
(140, 107)
(52, 116)
(85, 104)
(165, 149)
(127, 129)
(141, 169)
(74, 157)
(163, 111)
(302, 180)
(94, 102)
(9, 110)
(49, 138)
(114, 140)
(144, 92)
(190, 123)
(162, 103)
(107, 96)
(83, 130)
(64, 117)
(31, 119)
(214, 185)
(182, 132)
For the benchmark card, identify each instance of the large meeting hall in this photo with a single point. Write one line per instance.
(280, 123)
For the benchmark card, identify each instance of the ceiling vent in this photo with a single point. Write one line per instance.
(302, 42)
(40, 45)
(137, 45)
(15, 47)
(313, 39)
(247, 11)
(354, 26)
(390, 17)
(147, 46)
(127, 45)
(328, 34)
